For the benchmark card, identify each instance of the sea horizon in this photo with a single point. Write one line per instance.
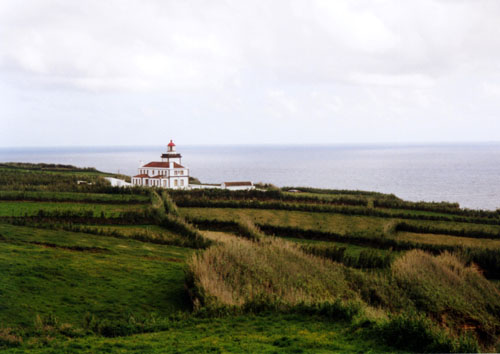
(467, 173)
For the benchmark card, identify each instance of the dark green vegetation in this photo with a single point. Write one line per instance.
(265, 333)
(86, 267)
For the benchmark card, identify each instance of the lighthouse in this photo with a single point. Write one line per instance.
(171, 155)
(167, 173)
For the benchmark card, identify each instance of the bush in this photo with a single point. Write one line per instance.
(8, 338)
(425, 229)
(247, 229)
(366, 258)
(446, 288)
(417, 333)
(169, 205)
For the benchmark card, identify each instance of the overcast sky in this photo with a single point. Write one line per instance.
(141, 72)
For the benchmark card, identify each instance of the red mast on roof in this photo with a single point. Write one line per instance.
(170, 147)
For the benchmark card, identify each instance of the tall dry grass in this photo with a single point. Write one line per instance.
(269, 273)
(454, 293)
(241, 273)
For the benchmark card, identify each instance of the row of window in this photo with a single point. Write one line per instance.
(153, 182)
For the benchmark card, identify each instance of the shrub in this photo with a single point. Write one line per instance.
(425, 229)
(444, 287)
(169, 205)
(247, 229)
(415, 332)
(8, 338)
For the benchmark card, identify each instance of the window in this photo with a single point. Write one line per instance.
(182, 182)
(175, 183)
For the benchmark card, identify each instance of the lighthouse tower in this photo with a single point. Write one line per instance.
(167, 173)
(171, 155)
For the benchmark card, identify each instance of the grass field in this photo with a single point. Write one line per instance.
(269, 333)
(352, 250)
(130, 230)
(73, 196)
(325, 221)
(317, 221)
(434, 239)
(65, 274)
(24, 208)
(125, 288)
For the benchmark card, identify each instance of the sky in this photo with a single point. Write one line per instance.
(209, 72)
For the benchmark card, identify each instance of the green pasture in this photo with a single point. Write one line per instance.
(434, 239)
(338, 223)
(331, 222)
(351, 250)
(152, 231)
(52, 280)
(25, 208)
(267, 333)
(453, 225)
(72, 196)
(66, 275)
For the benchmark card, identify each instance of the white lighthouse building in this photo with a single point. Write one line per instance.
(167, 173)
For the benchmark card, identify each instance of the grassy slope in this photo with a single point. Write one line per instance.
(112, 278)
(307, 220)
(348, 224)
(351, 250)
(130, 230)
(74, 196)
(242, 334)
(326, 221)
(434, 239)
(68, 274)
(22, 208)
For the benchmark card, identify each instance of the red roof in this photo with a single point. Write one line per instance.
(147, 176)
(162, 165)
(171, 143)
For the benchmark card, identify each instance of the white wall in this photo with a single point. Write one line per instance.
(115, 182)
(240, 188)
(204, 186)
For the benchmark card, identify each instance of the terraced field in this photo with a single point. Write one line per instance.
(92, 268)
(301, 219)
(29, 208)
(67, 275)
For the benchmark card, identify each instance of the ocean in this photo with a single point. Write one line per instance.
(467, 173)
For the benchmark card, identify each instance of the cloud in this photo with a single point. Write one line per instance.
(195, 65)
(491, 89)
(145, 45)
(408, 80)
